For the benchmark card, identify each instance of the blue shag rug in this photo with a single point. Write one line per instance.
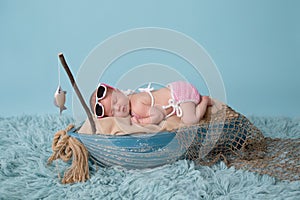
(25, 146)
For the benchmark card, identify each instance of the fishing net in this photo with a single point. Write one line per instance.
(229, 136)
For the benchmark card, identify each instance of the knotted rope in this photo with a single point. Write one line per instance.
(65, 147)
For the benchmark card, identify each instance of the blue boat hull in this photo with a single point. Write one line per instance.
(132, 151)
(152, 150)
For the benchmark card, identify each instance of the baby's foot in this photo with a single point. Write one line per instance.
(207, 99)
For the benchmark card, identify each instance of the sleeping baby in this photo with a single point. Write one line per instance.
(151, 106)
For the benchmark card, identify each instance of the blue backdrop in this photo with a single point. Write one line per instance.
(255, 45)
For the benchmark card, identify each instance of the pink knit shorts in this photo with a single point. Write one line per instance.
(184, 92)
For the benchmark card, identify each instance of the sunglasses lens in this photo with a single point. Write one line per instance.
(101, 91)
(99, 110)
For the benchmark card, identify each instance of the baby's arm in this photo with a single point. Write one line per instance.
(156, 115)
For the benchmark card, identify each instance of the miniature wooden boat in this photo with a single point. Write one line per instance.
(132, 151)
(146, 150)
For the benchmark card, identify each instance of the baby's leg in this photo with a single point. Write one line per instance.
(192, 113)
(202, 106)
(189, 113)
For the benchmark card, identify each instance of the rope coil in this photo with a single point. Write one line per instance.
(65, 147)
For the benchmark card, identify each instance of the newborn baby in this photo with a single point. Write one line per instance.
(151, 106)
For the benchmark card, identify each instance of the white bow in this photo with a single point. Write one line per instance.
(175, 106)
(147, 89)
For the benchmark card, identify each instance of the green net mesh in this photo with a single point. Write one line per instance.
(229, 136)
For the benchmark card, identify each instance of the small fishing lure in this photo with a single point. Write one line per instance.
(60, 99)
(60, 95)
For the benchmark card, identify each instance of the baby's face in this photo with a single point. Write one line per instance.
(116, 104)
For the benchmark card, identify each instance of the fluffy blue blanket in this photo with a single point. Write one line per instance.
(25, 144)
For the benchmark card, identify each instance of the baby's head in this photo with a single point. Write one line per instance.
(107, 101)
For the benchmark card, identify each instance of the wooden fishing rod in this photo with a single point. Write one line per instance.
(73, 82)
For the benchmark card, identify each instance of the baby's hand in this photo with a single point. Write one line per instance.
(134, 120)
(157, 114)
